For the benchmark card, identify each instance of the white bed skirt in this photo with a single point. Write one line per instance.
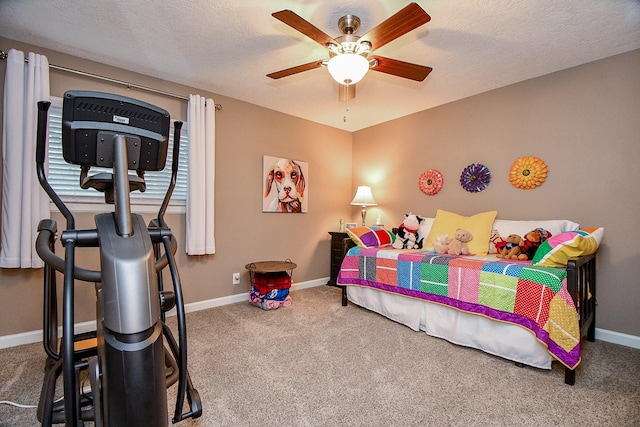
(509, 341)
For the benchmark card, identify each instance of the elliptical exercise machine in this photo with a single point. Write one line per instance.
(117, 375)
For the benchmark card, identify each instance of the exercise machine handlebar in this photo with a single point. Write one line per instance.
(87, 238)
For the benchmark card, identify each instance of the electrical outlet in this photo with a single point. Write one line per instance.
(236, 278)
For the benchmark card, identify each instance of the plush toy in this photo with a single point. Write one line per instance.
(496, 242)
(440, 245)
(512, 248)
(532, 241)
(457, 245)
(407, 235)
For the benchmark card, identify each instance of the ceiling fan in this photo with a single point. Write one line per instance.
(349, 58)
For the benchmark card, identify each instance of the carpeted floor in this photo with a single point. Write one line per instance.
(317, 363)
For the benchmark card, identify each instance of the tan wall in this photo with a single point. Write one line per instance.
(583, 122)
(244, 133)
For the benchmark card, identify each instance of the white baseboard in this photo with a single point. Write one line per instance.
(36, 336)
(217, 302)
(618, 338)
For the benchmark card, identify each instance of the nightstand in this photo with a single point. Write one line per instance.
(338, 250)
(340, 244)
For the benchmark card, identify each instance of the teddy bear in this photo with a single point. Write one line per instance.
(532, 241)
(407, 236)
(457, 245)
(513, 247)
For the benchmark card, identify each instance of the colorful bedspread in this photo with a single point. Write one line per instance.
(516, 292)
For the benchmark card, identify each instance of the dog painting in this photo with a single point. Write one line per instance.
(285, 185)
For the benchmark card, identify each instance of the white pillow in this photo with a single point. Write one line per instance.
(425, 227)
(554, 226)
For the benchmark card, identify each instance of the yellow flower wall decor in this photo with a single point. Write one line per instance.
(528, 172)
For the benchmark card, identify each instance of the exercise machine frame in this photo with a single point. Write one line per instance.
(118, 374)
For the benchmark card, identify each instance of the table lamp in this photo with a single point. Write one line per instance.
(363, 198)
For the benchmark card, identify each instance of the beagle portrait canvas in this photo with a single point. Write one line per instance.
(285, 185)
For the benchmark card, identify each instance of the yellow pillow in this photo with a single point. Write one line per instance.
(479, 225)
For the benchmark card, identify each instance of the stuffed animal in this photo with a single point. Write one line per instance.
(457, 245)
(407, 235)
(512, 248)
(441, 245)
(532, 241)
(496, 242)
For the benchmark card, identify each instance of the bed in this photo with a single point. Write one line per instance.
(530, 314)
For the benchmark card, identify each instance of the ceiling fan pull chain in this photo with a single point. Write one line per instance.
(346, 102)
(346, 97)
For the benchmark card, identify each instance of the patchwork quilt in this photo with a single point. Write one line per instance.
(516, 292)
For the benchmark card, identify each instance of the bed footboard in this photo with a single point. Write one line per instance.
(581, 283)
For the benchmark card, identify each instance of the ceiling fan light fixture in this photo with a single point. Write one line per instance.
(348, 68)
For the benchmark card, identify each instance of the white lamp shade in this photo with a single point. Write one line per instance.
(363, 197)
(348, 68)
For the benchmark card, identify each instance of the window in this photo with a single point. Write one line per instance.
(65, 178)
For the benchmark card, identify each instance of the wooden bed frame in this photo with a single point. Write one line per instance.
(581, 283)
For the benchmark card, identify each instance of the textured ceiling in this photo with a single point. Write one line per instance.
(228, 46)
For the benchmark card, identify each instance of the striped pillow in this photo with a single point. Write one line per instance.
(370, 237)
(558, 249)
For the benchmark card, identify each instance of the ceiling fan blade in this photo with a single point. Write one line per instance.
(409, 18)
(401, 68)
(295, 70)
(305, 27)
(350, 90)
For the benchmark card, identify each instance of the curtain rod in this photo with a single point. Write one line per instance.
(3, 56)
